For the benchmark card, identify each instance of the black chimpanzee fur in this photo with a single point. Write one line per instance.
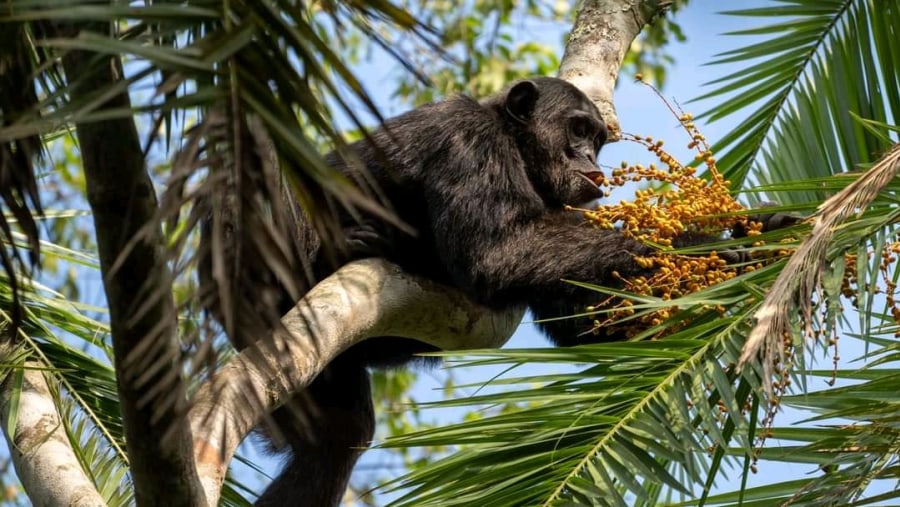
(484, 185)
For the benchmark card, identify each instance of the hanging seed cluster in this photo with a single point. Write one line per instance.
(850, 288)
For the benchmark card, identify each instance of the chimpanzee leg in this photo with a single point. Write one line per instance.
(327, 428)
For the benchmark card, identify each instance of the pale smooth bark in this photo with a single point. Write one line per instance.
(603, 32)
(40, 449)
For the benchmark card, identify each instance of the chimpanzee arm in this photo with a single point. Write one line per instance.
(558, 250)
(527, 261)
(530, 260)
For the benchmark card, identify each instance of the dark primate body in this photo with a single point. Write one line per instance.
(484, 185)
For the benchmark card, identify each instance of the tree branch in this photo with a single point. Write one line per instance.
(603, 32)
(41, 452)
(363, 299)
(138, 286)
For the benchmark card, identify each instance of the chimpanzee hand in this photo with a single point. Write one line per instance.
(366, 240)
(770, 221)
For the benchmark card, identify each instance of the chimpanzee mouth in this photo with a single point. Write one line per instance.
(589, 193)
(593, 176)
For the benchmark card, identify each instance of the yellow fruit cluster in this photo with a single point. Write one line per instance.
(676, 204)
(683, 203)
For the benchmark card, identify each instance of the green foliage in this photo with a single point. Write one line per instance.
(481, 48)
(485, 44)
(818, 65)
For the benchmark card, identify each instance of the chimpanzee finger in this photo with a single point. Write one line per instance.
(770, 221)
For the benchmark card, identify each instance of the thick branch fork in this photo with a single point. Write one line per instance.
(363, 299)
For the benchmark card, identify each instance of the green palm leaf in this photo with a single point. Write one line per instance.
(832, 116)
(622, 431)
(802, 84)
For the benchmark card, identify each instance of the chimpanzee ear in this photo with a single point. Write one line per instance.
(520, 101)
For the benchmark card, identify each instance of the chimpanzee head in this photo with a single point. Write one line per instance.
(559, 132)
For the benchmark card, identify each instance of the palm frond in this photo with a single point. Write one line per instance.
(851, 436)
(828, 98)
(804, 82)
(632, 427)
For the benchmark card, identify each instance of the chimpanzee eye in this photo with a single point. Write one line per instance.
(581, 128)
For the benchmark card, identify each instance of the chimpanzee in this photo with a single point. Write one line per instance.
(483, 187)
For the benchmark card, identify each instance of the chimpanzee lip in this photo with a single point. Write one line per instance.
(592, 176)
(589, 194)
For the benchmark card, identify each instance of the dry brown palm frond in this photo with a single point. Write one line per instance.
(802, 275)
(18, 151)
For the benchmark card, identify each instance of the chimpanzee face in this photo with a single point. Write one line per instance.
(565, 135)
(586, 133)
